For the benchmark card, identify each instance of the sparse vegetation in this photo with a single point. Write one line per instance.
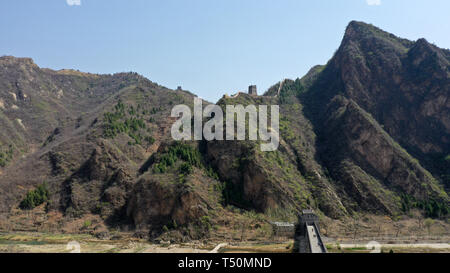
(211, 173)
(6, 155)
(126, 120)
(431, 208)
(291, 89)
(205, 222)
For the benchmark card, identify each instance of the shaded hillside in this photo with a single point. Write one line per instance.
(280, 182)
(404, 85)
(378, 94)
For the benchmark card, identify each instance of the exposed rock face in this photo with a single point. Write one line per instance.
(249, 184)
(370, 163)
(99, 186)
(154, 204)
(172, 199)
(376, 91)
(404, 85)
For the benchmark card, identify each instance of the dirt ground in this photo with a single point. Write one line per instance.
(38, 231)
(30, 242)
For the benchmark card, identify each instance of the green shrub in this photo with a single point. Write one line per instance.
(114, 124)
(432, 208)
(150, 140)
(289, 89)
(190, 155)
(211, 173)
(6, 156)
(447, 158)
(205, 221)
(186, 168)
(87, 223)
(35, 197)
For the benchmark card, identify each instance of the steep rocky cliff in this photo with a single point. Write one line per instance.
(404, 85)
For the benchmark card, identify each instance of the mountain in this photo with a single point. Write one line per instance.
(85, 136)
(367, 133)
(401, 89)
(404, 85)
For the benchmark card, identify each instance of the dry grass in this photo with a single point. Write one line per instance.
(28, 242)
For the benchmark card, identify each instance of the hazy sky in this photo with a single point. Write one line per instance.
(209, 47)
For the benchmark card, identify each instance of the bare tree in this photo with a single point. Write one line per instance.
(355, 228)
(420, 222)
(243, 229)
(379, 229)
(398, 227)
(428, 223)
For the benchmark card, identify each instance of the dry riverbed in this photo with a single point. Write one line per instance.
(66, 243)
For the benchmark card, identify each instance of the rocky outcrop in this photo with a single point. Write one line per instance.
(369, 162)
(154, 204)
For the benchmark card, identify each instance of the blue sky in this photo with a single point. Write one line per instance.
(209, 47)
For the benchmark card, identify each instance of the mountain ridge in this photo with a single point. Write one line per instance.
(369, 132)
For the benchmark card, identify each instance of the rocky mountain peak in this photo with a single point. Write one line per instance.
(370, 38)
(11, 60)
(426, 56)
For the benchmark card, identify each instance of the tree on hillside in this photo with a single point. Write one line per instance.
(428, 223)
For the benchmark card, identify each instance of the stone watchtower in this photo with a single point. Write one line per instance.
(307, 238)
(252, 90)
